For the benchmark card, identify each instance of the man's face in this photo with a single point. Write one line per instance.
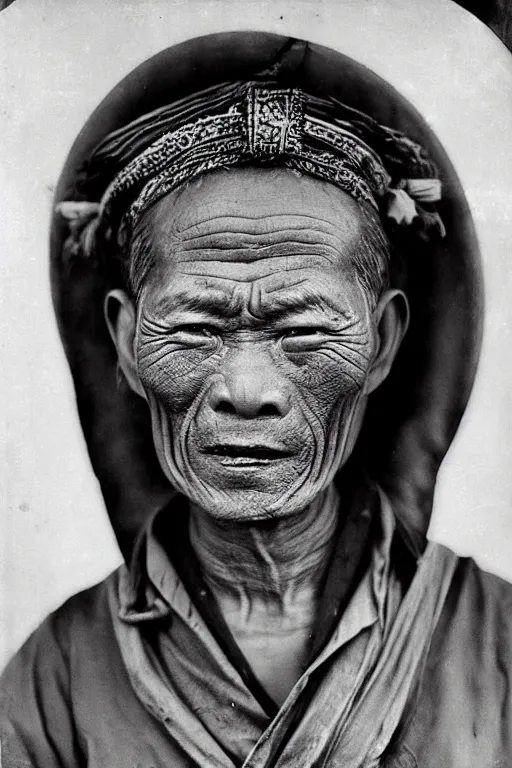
(254, 340)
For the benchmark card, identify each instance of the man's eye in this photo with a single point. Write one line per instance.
(303, 330)
(195, 329)
(303, 338)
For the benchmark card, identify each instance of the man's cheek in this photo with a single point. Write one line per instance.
(327, 379)
(176, 378)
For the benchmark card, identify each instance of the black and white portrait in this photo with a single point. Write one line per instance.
(257, 506)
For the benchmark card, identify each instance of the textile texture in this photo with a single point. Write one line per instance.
(430, 677)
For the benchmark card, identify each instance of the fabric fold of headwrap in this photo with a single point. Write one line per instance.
(253, 123)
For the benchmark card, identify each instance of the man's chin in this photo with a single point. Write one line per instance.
(247, 504)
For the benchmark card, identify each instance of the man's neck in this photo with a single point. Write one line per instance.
(273, 561)
(267, 578)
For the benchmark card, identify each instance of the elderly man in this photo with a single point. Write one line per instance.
(276, 611)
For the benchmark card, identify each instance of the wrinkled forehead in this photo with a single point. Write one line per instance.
(243, 213)
(266, 230)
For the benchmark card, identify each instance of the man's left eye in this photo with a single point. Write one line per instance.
(303, 330)
(303, 338)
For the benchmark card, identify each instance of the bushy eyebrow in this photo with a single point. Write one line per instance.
(283, 305)
(213, 303)
(220, 305)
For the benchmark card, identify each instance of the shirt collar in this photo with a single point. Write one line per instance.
(155, 589)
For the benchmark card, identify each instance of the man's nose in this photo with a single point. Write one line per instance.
(250, 387)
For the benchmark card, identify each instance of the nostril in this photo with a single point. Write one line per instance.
(269, 409)
(247, 410)
(224, 406)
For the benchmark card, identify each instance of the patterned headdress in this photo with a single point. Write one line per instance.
(246, 124)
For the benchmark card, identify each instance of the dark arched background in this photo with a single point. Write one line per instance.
(412, 419)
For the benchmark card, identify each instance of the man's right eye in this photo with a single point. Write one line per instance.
(303, 330)
(194, 329)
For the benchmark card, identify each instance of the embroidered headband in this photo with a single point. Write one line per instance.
(252, 123)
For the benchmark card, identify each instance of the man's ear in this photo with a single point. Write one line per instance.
(121, 319)
(392, 318)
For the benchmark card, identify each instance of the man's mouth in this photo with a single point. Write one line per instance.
(246, 455)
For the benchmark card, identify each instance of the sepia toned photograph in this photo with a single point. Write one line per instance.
(255, 485)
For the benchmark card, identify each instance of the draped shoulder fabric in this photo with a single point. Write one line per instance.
(353, 730)
(68, 698)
